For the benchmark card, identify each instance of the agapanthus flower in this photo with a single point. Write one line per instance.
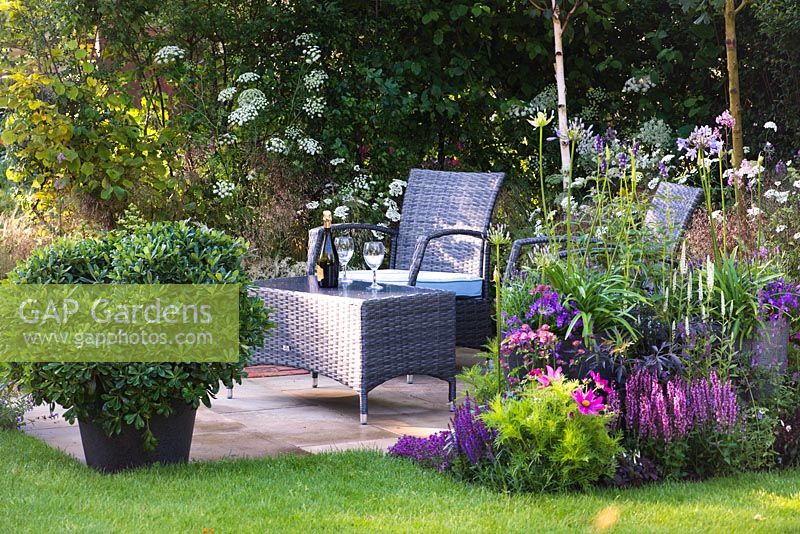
(779, 298)
(541, 119)
(588, 403)
(770, 125)
(702, 139)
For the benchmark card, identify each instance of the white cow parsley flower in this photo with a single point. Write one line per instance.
(293, 132)
(341, 212)
(309, 145)
(753, 212)
(224, 188)
(304, 39)
(253, 97)
(327, 201)
(337, 161)
(312, 205)
(314, 106)
(226, 95)
(312, 54)
(392, 214)
(276, 145)
(780, 228)
(242, 115)
(168, 54)
(396, 187)
(248, 77)
(638, 85)
(315, 79)
(227, 139)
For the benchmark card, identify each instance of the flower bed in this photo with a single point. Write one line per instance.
(616, 363)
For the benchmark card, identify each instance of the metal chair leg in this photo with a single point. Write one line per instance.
(314, 379)
(362, 401)
(230, 393)
(409, 379)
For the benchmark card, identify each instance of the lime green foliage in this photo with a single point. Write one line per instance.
(113, 395)
(360, 492)
(544, 443)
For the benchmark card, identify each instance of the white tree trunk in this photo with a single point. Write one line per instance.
(561, 86)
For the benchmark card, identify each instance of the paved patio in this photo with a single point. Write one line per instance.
(284, 414)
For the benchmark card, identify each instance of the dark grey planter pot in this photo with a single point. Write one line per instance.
(769, 347)
(126, 451)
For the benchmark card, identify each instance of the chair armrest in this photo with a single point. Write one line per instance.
(517, 246)
(315, 238)
(422, 244)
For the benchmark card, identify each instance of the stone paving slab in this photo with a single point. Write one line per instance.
(285, 415)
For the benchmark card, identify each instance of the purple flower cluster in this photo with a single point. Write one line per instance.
(778, 299)
(702, 139)
(670, 411)
(548, 305)
(470, 436)
(467, 438)
(435, 451)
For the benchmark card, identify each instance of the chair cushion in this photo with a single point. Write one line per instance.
(463, 285)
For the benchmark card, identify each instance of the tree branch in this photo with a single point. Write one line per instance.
(537, 5)
(741, 6)
(569, 15)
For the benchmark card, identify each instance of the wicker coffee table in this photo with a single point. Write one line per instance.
(359, 337)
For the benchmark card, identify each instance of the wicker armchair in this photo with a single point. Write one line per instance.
(446, 217)
(670, 214)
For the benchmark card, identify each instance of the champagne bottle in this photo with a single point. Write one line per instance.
(327, 268)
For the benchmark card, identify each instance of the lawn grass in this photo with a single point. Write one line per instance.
(44, 490)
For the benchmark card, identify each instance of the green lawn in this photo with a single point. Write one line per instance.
(45, 491)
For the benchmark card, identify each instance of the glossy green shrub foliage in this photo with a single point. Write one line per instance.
(114, 395)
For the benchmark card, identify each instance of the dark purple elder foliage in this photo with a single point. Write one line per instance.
(470, 436)
(787, 439)
(633, 470)
(435, 451)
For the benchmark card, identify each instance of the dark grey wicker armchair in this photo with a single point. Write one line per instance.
(670, 214)
(446, 217)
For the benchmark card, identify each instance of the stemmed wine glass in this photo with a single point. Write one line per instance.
(345, 247)
(374, 252)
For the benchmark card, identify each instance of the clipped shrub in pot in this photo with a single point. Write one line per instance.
(128, 403)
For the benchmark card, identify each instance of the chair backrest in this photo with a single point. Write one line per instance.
(443, 200)
(671, 211)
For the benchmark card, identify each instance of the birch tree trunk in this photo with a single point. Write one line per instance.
(561, 87)
(733, 81)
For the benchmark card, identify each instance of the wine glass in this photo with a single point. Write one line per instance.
(345, 247)
(374, 251)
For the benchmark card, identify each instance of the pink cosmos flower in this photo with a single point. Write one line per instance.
(545, 379)
(599, 381)
(588, 402)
